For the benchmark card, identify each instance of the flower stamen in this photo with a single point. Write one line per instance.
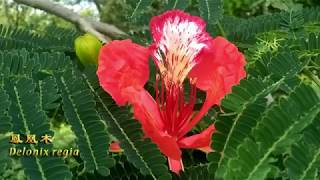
(174, 110)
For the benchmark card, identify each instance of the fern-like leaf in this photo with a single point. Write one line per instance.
(292, 21)
(211, 10)
(249, 103)
(5, 120)
(91, 132)
(18, 38)
(279, 124)
(17, 63)
(198, 172)
(177, 4)
(48, 93)
(22, 62)
(309, 46)
(139, 6)
(125, 170)
(5, 127)
(28, 118)
(4, 158)
(304, 159)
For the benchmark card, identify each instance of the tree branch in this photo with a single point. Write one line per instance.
(96, 28)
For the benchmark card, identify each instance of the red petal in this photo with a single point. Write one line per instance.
(122, 64)
(146, 111)
(221, 67)
(167, 144)
(199, 141)
(175, 165)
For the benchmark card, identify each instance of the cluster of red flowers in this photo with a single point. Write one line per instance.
(183, 52)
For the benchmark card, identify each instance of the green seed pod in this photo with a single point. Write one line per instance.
(87, 49)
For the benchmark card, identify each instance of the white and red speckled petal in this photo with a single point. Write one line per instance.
(178, 39)
(180, 21)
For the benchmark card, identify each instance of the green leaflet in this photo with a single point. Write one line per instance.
(309, 46)
(278, 124)
(177, 4)
(249, 103)
(139, 6)
(246, 30)
(35, 65)
(5, 120)
(292, 21)
(5, 127)
(304, 159)
(91, 132)
(141, 152)
(198, 172)
(18, 38)
(49, 94)
(27, 117)
(41, 66)
(4, 159)
(123, 169)
(17, 63)
(211, 10)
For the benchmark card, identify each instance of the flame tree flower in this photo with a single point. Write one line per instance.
(183, 52)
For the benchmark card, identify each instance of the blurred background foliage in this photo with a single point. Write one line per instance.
(117, 12)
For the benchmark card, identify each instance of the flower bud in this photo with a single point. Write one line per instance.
(87, 49)
(115, 147)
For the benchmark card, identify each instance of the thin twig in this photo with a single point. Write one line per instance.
(99, 29)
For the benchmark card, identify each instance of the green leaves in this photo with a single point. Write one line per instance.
(304, 159)
(4, 159)
(249, 103)
(293, 20)
(28, 118)
(231, 130)
(18, 38)
(283, 120)
(5, 127)
(198, 172)
(48, 93)
(79, 109)
(177, 4)
(211, 10)
(35, 65)
(139, 6)
(5, 120)
(44, 97)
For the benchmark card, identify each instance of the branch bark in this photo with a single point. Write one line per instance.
(96, 28)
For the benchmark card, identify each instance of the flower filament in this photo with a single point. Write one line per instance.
(174, 109)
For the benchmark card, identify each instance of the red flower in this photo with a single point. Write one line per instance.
(182, 50)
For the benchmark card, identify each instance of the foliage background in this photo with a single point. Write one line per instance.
(269, 129)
